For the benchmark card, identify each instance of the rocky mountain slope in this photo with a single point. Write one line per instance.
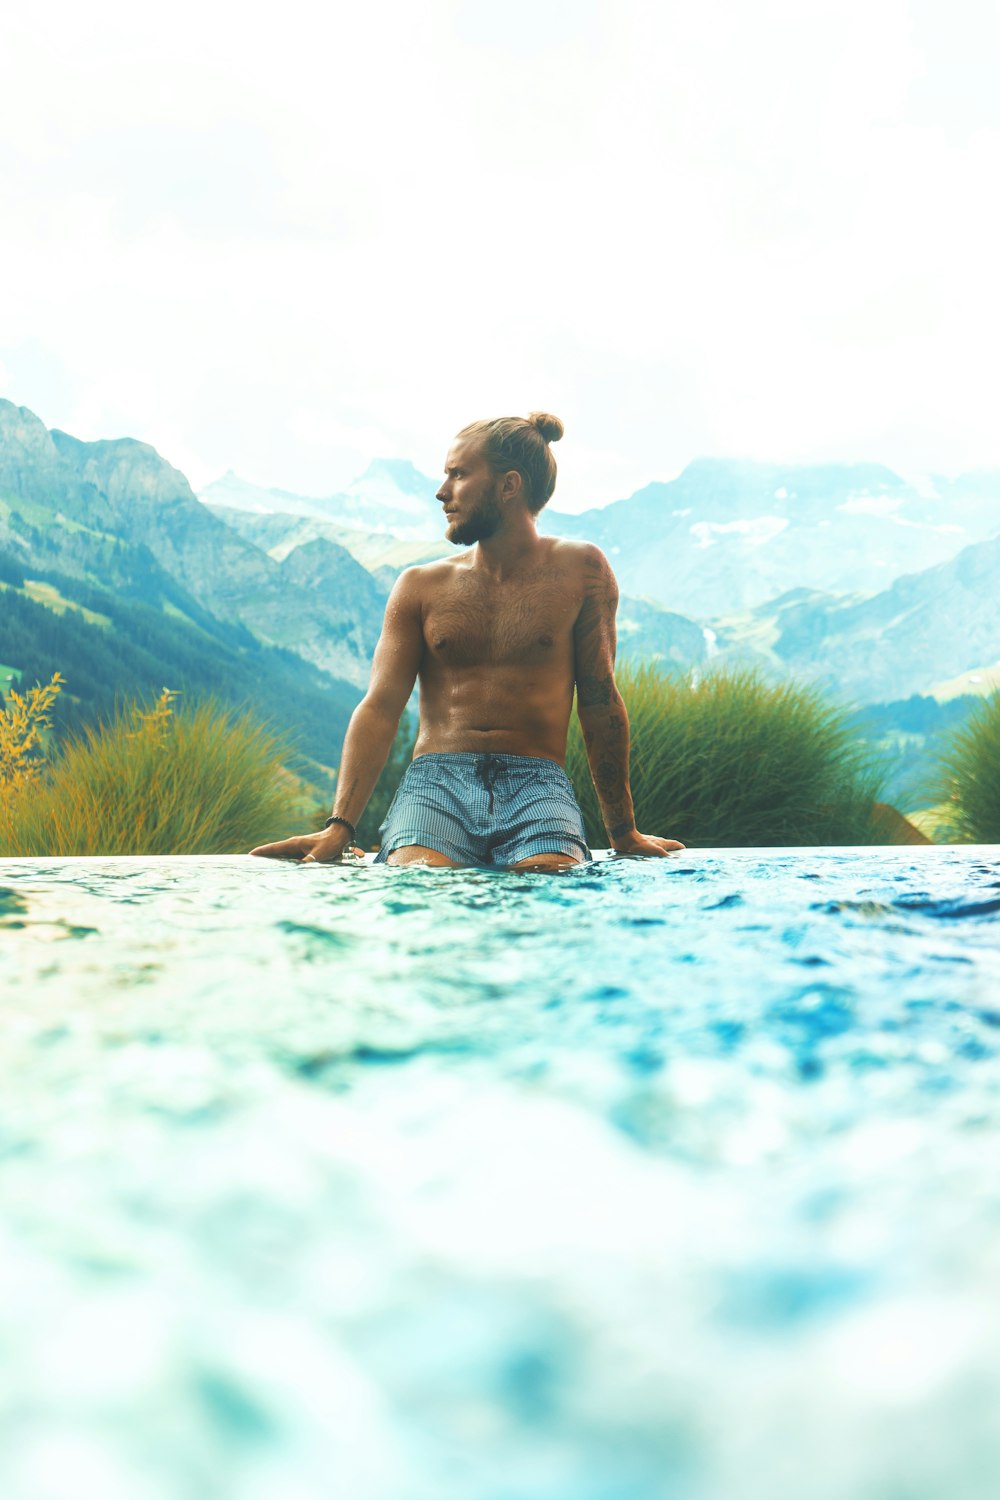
(381, 553)
(111, 511)
(925, 629)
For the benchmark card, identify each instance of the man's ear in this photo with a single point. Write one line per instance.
(512, 486)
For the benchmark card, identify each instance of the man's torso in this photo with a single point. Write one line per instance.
(497, 670)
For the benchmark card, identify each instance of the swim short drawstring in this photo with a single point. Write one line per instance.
(488, 768)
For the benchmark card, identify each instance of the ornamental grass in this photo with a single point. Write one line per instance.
(25, 725)
(731, 760)
(198, 779)
(966, 782)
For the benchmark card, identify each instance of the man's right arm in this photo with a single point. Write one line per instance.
(373, 724)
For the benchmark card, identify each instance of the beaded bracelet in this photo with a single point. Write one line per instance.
(344, 823)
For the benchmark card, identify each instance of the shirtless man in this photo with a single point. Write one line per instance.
(499, 637)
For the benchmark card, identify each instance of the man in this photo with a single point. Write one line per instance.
(498, 636)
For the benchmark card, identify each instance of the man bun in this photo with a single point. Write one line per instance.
(523, 444)
(549, 426)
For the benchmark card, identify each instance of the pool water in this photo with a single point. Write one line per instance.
(656, 1179)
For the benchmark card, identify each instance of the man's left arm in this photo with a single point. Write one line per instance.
(601, 710)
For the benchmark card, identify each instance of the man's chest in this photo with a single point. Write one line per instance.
(471, 625)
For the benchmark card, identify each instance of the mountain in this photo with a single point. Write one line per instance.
(926, 628)
(111, 649)
(728, 536)
(322, 570)
(722, 537)
(233, 493)
(786, 564)
(646, 631)
(391, 497)
(910, 736)
(278, 532)
(117, 513)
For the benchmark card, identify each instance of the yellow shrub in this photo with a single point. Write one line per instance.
(21, 729)
(204, 780)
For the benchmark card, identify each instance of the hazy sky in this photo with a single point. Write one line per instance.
(286, 240)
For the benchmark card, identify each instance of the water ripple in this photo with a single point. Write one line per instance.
(652, 1180)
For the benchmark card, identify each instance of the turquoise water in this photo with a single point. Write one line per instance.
(673, 1179)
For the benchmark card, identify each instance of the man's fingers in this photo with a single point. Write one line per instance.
(648, 845)
(294, 848)
(328, 852)
(308, 848)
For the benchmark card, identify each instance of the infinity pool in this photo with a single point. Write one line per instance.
(669, 1179)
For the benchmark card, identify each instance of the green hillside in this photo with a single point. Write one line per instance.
(118, 515)
(909, 736)
(144, 648)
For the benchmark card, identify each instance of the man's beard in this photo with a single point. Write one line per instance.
(480, 524)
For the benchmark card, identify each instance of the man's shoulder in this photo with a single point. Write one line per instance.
(586, 557)
(418, 575)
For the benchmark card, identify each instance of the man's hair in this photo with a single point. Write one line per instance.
(521, 444)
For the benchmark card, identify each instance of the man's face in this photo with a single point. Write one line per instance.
(470, 496)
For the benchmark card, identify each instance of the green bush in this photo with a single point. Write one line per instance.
(732, 760)
(966, 786)
(203, 780)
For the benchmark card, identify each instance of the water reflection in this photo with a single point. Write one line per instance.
(646, 1181)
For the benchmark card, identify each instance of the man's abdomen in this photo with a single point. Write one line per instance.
(507, 711)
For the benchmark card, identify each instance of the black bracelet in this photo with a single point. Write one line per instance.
(344, 823)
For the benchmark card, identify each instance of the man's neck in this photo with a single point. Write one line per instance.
(508, 548)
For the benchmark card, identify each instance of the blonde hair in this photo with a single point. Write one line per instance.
(522, 444)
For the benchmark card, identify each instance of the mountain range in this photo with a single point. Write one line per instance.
(855, 578)
(847, 575)
(913, 637)
(727, 536)
(723, 537)
(116, 512)
(391, 496)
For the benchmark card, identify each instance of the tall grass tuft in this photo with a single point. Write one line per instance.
(24, 724)
(732, 760)
(966, 786)
(201, 780)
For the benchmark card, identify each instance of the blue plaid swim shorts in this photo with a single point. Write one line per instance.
(487, 810)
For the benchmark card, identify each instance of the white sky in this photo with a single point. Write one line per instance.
(287, 239)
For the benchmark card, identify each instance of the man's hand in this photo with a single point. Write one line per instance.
(645, 843)
(322, 848)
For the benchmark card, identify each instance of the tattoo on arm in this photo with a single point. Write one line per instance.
(599, 706)
(608, 775)
(594, 635)
(593, 690)
(344, 797)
